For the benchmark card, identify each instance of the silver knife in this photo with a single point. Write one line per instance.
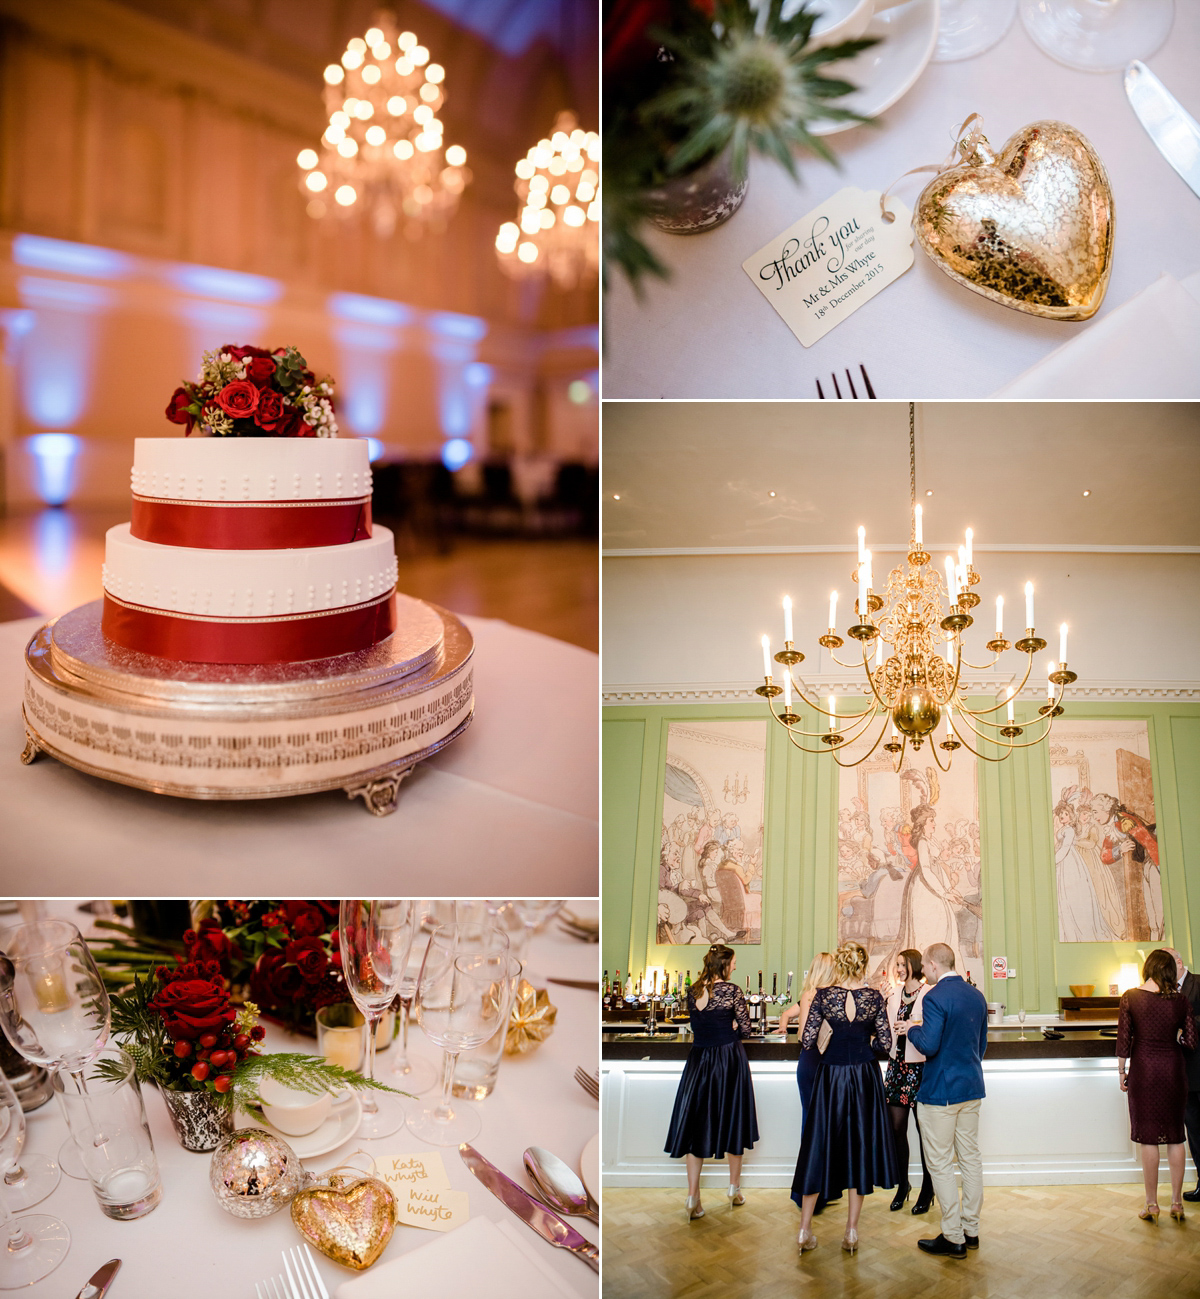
(97, 1287)
(532, 1212)
(1173, 129)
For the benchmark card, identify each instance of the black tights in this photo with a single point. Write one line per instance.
(899, 1116)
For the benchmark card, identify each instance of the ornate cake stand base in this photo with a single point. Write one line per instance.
(360, 722)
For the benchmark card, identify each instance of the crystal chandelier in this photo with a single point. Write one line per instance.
(556, 231)
(918, 683)
(383, 148)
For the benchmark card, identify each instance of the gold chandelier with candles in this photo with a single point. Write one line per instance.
(384, 152)
(557, 228)
(914, 632)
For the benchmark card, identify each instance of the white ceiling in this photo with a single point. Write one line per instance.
(698, 474)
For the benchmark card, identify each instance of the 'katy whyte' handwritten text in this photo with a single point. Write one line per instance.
(792, 262)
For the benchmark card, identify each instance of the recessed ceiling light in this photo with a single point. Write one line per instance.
(770, 493)
(1087, 492)
(616, 497)
(929, 492)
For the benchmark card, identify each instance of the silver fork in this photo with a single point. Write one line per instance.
(588, 1082)
(271, 1288)
(870, 391)
(299, 1260)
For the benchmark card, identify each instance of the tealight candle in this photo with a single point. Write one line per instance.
(49, 986)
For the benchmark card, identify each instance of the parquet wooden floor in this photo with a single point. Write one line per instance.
(1036, 1242)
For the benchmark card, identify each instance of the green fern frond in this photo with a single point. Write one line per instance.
(305, 1073)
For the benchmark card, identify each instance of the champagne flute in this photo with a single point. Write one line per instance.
(1021, 1021)
(375, 938)
(968, 27)
(464, 995)
(36, 1244)
(414, 1074)
(53, 1004)
(1097, 35)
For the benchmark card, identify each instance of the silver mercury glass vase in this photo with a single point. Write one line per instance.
(697, 200)
(199, 1123)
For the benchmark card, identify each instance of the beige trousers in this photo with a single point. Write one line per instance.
(950, 1132)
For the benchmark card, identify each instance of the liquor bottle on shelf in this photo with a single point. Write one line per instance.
(641, 983)
(606, 993)
(759, 1011)
(687, 987)
(668, 1002)
(630, 991)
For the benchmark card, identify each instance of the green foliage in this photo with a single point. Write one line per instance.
(306, 1073)
(720, 84)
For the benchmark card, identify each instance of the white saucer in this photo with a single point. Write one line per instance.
(886, 72)
(337, 1129)
(589, 1167)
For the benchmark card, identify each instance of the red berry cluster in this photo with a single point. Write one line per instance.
(218, 1054)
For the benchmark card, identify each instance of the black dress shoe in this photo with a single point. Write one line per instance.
(1193, 1196)
(940, 1245)
(923, 1203)
(902, 1194)
(972, 1241)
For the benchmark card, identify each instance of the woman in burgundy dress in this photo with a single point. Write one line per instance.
(1154, 1020)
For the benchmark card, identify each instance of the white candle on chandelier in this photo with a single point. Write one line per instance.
(970, 546)
(895, 733)
(1010, 705)
(1028, 604)
(950, 653)
(879, 651)
(1062, 643)
(766, 644)
(949, 721)
(862, 544)
(951, 585)
(832, 609)
(833, 712)
(999, 617)
(787, 689)
(864, 587)
(787, 618)
(917, 525)
(960, 576)
(1049, 683)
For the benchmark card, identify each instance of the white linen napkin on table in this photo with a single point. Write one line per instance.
(1147, 348)
(482, 1257)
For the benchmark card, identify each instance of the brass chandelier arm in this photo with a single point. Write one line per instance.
(842, 717)
(871, 681)
(1010, 744)
(982, 667)
(983, 712)
(813, 734)
(863, 718)
(878, 741)
(839, 662)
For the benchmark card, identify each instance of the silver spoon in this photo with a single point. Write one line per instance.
(559, 1186)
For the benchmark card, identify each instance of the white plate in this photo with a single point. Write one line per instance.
(589, 1167)
(886, 72)
(337, 1129)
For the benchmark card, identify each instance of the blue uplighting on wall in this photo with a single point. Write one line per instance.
(53, 457)
(363, 352)
(456, 452)
(226, 285)
(216, 324)
(450, 324)
(56, 355)
(73, 259)
(374, 449)
(369, 311)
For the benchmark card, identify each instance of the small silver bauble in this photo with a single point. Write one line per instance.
(254, 1173)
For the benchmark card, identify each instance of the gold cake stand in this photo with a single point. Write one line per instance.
(359, 722)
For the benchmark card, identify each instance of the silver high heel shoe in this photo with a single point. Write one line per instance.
(735, 1195)
(806, 1240)
(693, 1208)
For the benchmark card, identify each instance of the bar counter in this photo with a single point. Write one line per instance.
(1053, 1113)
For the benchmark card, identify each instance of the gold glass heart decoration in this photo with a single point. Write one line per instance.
(1031, 228)
(349, 1224)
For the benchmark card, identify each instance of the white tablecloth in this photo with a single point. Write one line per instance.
(190, 1248)
(709, 332)
(509, 808)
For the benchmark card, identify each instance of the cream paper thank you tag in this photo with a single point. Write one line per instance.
(832, 261)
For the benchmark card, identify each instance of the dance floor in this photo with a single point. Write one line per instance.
(1034, 1241)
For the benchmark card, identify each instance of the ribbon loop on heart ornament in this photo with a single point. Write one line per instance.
(1030, 227)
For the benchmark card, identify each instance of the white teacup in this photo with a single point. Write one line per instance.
(293, 1112)
(845, 20)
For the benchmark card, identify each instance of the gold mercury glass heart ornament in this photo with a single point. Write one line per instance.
(1031, 228)
(350, 1224)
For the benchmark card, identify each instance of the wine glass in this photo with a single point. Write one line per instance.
(36, 1244)
(53, 1005)
(1021, 1021)
(375, 938)
(413, 1074)
(463, 996)
(1097, 35)
(534, 912)
(32, 1179)
(968, 27)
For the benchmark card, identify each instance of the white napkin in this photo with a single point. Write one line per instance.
(482, 1257)
(1147, 348)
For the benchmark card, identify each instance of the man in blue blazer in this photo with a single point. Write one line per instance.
(953, 1038)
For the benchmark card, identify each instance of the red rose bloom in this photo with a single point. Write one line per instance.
(308, 955)
(191, 1007)
(274, 982)
(238, 399)
(260, 369)
(210, 943)
(177, 411)
(270, 409)
(304, 919)
(240, 353)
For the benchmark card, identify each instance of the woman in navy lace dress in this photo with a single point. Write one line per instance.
(714, 1111)
(847, 1143)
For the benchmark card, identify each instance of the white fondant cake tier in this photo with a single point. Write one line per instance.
(250, 469)
(247, 583)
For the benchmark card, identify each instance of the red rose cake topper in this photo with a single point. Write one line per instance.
(252, 393)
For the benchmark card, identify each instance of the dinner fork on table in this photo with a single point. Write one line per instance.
(870, 391)
(302, 1280)
(589, 1082)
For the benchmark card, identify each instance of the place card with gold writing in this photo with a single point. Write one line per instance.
(435, 1210)
(833, 260)
(423, 1170)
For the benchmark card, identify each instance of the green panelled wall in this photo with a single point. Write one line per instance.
(799, 886)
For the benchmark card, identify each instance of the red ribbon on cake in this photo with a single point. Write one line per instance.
(274, 525)
(292, 638)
